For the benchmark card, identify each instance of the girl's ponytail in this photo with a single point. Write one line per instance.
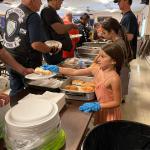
(112, 24)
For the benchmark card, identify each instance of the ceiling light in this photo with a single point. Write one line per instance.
(104, 1)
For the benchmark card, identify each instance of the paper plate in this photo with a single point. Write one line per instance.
(34, 76)
(52, 43)
(75, 36)
(25, 113)
(37, 112)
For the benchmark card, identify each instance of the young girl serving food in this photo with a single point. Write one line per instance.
(105, 70)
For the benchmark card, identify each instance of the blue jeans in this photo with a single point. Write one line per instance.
(17, 83)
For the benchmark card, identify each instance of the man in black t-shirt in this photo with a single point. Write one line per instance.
(129, 22)
(9, 60)
(54, 28)
(24, 40)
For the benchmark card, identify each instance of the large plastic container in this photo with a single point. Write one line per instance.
(118, 135)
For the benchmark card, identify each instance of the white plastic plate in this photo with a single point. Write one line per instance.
(52, 43)
(75, 36)
(34, 76)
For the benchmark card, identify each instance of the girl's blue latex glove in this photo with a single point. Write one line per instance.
(90, 107)
(52, 68)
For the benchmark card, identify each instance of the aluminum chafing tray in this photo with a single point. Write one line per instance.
(87, 55)
(94, 44)
(89, 50)
(77, 95)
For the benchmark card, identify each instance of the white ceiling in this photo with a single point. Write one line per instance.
(96, 5)
(79, 6)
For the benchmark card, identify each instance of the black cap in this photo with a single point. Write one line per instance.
(116, 1)
(85, 16)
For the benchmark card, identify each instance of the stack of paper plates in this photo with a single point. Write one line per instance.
(31, 124)
(57, 98)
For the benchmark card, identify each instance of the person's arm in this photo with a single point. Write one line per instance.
(130, 27)
(116, 88)
(42, 47)
(75, 72)
(52, 20)
(36, 35)
(4, 99)
(9, 60)
(62, 28)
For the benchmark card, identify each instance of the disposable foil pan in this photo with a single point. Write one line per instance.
(78, 95)
(87, 49)
(94, 44)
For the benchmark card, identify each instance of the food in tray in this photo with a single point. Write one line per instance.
(80, 86)
(87, 89)
(71, 87)
(92, 84)
(39, 70)
(78, 82)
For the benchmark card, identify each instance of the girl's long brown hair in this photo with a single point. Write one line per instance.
(112, 24)
(115, 52)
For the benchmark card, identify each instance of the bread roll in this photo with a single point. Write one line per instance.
(92, 84)
(87, 89)
(78, 82)
(71, 87)
(39, 70)
(46, 72)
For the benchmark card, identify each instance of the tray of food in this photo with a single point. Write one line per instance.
(79, 88)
